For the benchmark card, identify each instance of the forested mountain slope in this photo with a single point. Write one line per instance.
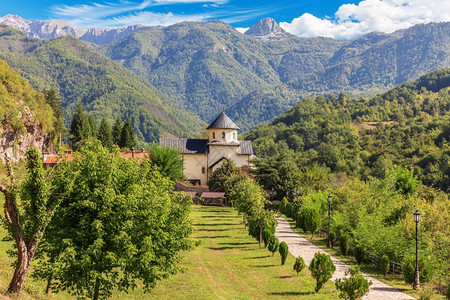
(205, 65)
(103, 87)
(25, 118)
(408, 126)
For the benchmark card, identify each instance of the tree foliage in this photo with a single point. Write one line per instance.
(426, 269)
(217, 180)
(384, 264)
(322, 268)
(104, 134)
(273, 244)
(284, 251)
(299, 264)
(119, 226)
(360, 253)
(355, 287)
(167, 160)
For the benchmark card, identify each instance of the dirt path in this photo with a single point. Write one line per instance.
(299, 246)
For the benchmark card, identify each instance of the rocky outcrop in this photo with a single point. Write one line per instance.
(13, 145)
(267, 29)
(53, 29)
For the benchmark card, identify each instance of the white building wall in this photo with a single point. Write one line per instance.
(194, 165)
(216, 135)
(216, 152)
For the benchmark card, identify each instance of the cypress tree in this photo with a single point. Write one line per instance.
(117, 131)
(93, 126)
(53, 99)
(128, 138)
(80, 129)
(104, 134)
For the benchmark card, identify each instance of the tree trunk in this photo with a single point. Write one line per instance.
(20, 273)
(260, 235)
(48, 290)
(97, 289)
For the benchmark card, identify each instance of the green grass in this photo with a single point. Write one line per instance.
(228, 264)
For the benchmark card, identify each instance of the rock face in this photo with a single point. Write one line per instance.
(14, 147)
(53, 29)
(267, 29)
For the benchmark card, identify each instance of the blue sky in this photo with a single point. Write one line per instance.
(307, 18)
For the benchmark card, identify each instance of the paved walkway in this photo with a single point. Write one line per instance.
(299, 246)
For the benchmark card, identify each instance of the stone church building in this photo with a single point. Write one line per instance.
(202, 156)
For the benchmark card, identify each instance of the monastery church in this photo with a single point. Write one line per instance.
(203, 156)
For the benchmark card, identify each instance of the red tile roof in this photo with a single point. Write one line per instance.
(211, 195)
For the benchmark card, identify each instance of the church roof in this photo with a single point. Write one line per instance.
(223, 122)
(186, 146)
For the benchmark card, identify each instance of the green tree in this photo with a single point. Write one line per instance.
(217, 180)
(120, 226)
(299, 264)
(105, 135)
(80, 129)
(425, 267)
(384, 265)
(28, 210)
(273, 244)
(117, 131)
(313, 220)
(53, 98)
(355, 287)
(167, 160)
(92, 126)
(284, 251)
(360, 253)
(127, 137)
(322, 269)
(267, 232)
(258, 219)
(343, 244)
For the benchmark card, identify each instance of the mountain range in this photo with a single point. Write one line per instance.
(203, 66)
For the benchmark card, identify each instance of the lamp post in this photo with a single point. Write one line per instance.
(330, 198)
(416, 284)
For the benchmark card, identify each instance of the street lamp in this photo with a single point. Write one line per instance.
(416, 284)
(330, 198)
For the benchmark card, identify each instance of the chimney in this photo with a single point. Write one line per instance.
(132, 152)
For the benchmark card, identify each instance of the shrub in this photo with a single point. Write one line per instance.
(299, 264)
(284, 250)
(273, 244)
(426, 293)
(332, 237)
(343, 244)
(360, 253)
(289, 210)
(322, 268)
(282, 207)
(301, 220)
(425, 268)
(384, 264)
(354, 287)
(265, 235)
(448, 292)
(313, 220)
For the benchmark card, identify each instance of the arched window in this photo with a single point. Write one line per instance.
(223, 135)
(234, 135)
(214, 135)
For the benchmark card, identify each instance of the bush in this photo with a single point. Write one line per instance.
(448, 292)
(289, 210)
(384, 264)
(425, 268)
(273, 244)
(299, 264)
(343, 244)
(284, 251)
(322, 268)
(282, 207)
(360, 253)
(313, 220)
(332, 237)
(265, 235)
(354, 287)
(426, 293)
(301, 220)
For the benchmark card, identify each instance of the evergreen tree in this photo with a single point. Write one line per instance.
(80, 128)
(92, 126)
(117, 131)
(53, 99)
(127, 138)
(105, 135)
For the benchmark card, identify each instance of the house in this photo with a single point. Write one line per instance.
(202, 157)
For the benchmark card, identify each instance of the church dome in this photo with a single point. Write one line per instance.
(223, 122)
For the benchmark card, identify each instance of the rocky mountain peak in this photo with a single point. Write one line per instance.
(267, 28)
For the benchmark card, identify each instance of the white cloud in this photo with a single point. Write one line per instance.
(352, 21)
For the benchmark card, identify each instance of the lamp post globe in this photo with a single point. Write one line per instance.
(416, 284)
(330, 198)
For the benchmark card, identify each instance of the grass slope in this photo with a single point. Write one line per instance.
(228, 264)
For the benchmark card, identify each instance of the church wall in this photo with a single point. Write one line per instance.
(217, 152)
(216, 135)
(194, 164)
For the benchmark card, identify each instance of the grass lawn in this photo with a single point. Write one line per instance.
(228, 264)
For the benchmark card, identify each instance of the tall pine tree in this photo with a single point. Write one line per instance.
(80, 129)
(128, 138)
(93, 126)
(53, 98)
(105, 135)
(117, 131)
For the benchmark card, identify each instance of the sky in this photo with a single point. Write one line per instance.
(343, 20)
